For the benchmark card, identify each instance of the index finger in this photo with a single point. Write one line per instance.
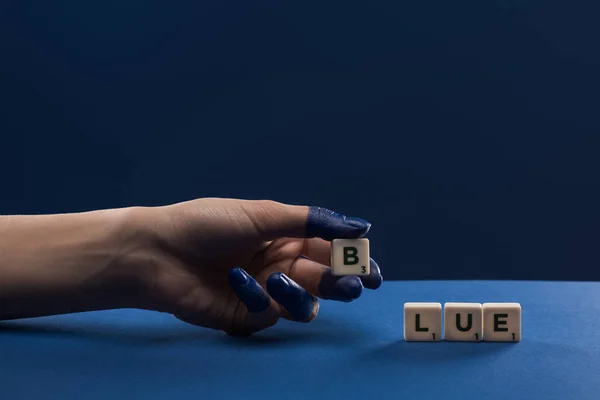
(327, 224)
(273, 220)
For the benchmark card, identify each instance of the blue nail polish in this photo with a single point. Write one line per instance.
(374, 279)
(249, 291)
(330, 225)
(295, 299)
(349, 287)
(358, 223)
(345, 288)
(282, 284)
(238, 277)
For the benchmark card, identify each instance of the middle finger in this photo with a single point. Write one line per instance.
(318, 280)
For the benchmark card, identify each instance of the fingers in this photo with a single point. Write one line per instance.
(297, 301)
(294, 298)
(275, 220)
(374, 280)
(263, 312)
(329, 225)
(318, 279)
(285, 299)
(249, 291)
(340, 288)
(319, 251)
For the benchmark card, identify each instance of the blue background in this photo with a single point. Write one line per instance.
(468, 132)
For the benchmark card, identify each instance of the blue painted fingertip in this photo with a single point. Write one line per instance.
(349, 287)
(358, 223)
(345, 288)
(248, 291)
(299, 303)
(330, 225)
(238, 277)
(374, 279)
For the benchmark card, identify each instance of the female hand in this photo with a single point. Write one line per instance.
(239, 265)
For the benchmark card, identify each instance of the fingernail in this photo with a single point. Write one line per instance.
(358, 223)
(279, 283)
(330, 225)
(238, 277)
(295, 299)
(249, 291)
(374, 279)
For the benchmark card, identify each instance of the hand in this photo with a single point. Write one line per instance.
(239, 266)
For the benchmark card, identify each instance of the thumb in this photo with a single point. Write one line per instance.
(275, 220)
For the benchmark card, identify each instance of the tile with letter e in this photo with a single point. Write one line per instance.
(422, 322)
(350, 257)
(463, 322)
(501, 322)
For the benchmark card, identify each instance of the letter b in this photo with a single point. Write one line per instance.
(350, 256)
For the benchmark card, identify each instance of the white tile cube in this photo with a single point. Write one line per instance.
(350, 257)
(501, 322)
(422, 322)
(463, 322)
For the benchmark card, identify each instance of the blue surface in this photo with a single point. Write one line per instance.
(351, 351)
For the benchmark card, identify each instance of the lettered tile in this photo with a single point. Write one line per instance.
(463, 322)
(422, 322)
(501, 322)
(350, 257)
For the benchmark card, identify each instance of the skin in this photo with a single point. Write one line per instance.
(238, 266)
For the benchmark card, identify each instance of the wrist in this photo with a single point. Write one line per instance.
(122, 269)
(132, 269)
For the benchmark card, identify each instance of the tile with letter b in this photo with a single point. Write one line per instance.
(350, 257)
(501, 322)
(463, 322)
(422, 322)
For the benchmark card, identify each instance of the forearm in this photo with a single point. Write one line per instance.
(57, 264)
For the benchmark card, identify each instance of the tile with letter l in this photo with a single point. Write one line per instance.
(422, 322)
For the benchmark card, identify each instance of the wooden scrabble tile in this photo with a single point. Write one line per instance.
(501, 322)
(422, 322)
(350, 257)
(463, 322)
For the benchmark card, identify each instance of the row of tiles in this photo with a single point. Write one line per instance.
(465, 322)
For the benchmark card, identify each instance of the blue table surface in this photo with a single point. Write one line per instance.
(351, 350)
